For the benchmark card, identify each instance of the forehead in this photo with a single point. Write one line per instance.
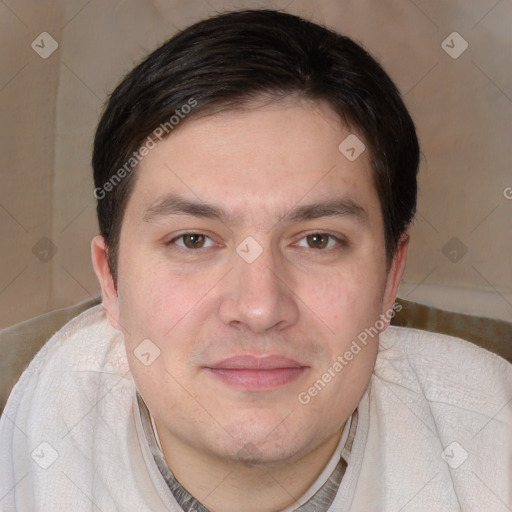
(256, 162)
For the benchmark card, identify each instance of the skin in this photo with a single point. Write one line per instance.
(304, 298)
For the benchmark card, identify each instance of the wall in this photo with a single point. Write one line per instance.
(461, 240)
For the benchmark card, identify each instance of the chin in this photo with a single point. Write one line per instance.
(259, 441)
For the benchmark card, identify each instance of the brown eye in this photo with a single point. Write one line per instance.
(193, 241)
(318, 240)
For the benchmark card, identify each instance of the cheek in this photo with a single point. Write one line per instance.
(155, 299)
(349, 305)
(158, 308)
(347, 299)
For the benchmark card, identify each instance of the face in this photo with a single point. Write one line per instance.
(251, 256)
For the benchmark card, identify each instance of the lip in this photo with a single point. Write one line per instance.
(257, 373)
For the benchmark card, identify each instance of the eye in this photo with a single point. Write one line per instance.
(192, 241)
(320, 241)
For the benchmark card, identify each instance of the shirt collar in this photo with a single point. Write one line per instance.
(317, 498)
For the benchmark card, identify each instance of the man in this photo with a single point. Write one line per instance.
(255, 177)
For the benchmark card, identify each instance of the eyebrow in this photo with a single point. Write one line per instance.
(172, 205)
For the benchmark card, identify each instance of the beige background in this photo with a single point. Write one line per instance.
(462, 108)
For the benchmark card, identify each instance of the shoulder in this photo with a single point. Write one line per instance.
(70, 370)
(88, 341)
(444, 368)
(71, 413)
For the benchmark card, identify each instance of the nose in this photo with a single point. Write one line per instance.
(256, 295)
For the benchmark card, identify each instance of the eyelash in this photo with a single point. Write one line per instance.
(342, 243)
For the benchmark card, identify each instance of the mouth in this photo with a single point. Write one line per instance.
(257, 373)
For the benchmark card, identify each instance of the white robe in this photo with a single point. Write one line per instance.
(434, 429)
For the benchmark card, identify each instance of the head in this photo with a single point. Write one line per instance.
(240, 235)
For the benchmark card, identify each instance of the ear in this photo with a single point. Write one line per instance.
(99, 256)
(395, 273)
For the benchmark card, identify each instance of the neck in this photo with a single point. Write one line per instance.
(223, 485)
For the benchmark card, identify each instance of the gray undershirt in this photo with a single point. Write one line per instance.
(319, 502)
